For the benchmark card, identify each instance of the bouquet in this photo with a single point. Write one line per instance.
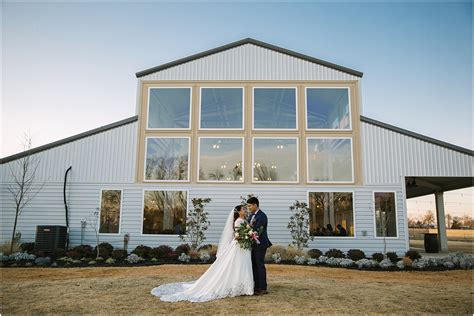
(246, 236)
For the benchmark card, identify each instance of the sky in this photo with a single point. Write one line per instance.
(70, 67)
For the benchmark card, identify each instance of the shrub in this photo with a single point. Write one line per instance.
(392, 256)
(334, 253)
(73, 254)
(29, 247)
(377, 256)
(184, 248)
(142, 251)
(299, 225)
(196, 223)
(291, 253)
(84, 251)
(172, 255)
(407, 262)
(193, 254)
(5, 248)
(119, 254)
(314, 253)
(133, 258)
(40, 253)
(161, 252)
(273, 250)
(184, 258)
(105, 249)
(413, 255)
(356, 254)
(212, 251)
(204, 257)
(205, 247)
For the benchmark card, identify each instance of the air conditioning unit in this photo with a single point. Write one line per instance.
(49, 238)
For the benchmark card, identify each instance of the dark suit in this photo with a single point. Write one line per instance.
(259, 250)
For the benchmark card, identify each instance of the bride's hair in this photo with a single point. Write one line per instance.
(236, 212)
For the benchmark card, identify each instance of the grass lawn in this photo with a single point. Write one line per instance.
(293, 289)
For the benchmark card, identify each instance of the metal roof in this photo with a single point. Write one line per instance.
(243, 42)
(416, 135)
(69, 139)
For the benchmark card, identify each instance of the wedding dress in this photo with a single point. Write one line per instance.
(230, 275)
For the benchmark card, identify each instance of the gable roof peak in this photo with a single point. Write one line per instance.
(241, 42)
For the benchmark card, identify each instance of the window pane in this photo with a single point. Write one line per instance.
(164, 212)
(275, 159)
(221, 107)
(385, 217)
(328, 108)
(274, 108)
(167, 159)
(329, 159)
(331, 214)
(110, 211)
(169, 108)
(220, 159)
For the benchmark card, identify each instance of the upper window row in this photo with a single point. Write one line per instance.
(274, 108)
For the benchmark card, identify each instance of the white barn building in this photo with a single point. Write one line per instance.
(244, 118)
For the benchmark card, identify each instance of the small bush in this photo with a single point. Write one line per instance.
(161, 252)
(143, 251)
(172, 255)
(205, 247)
(413, 255)
(334, 253)
(407, 262)
(73, 254)
(291, 253)
(29, 247)
(193, 254)
(84, 251)
(5, 248)
(105, 250)
(273, 250)
(184, 248)
(314, 253)
(356, 254)
(378, 256)
(392, 256)
(119, 254)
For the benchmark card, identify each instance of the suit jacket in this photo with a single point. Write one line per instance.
(261, 220)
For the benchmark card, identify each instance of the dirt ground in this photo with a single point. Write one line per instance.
(293, 290)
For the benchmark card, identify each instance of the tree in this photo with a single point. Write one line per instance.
(94, 222)
(299, 225)
(429, 218)
(196, 223)
(24, 188)
(456, 223)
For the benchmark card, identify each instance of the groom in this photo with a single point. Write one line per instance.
(258, 219)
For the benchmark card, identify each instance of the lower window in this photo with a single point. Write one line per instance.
(331, 214)
(385, 214)
(164, 212)
(110, 205)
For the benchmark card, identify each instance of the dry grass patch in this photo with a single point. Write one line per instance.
(293, 289)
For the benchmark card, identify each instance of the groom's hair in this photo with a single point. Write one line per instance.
(253, 200)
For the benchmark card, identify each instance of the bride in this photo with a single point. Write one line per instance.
(230, 275)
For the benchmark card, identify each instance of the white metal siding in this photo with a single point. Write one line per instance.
(388, 155)
(249, 62)
(47, 208)
(106, 157)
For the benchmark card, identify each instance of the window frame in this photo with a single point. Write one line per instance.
(330, 182)
(148, 128)
(327, 129)
(374, 217)
(329, 190)
(120, 211)
(143, 211)
(165, 181)
(297, 160)
(275, 129)
(242, 138)
(221, 129)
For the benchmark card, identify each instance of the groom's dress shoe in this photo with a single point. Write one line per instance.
(260, 292)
